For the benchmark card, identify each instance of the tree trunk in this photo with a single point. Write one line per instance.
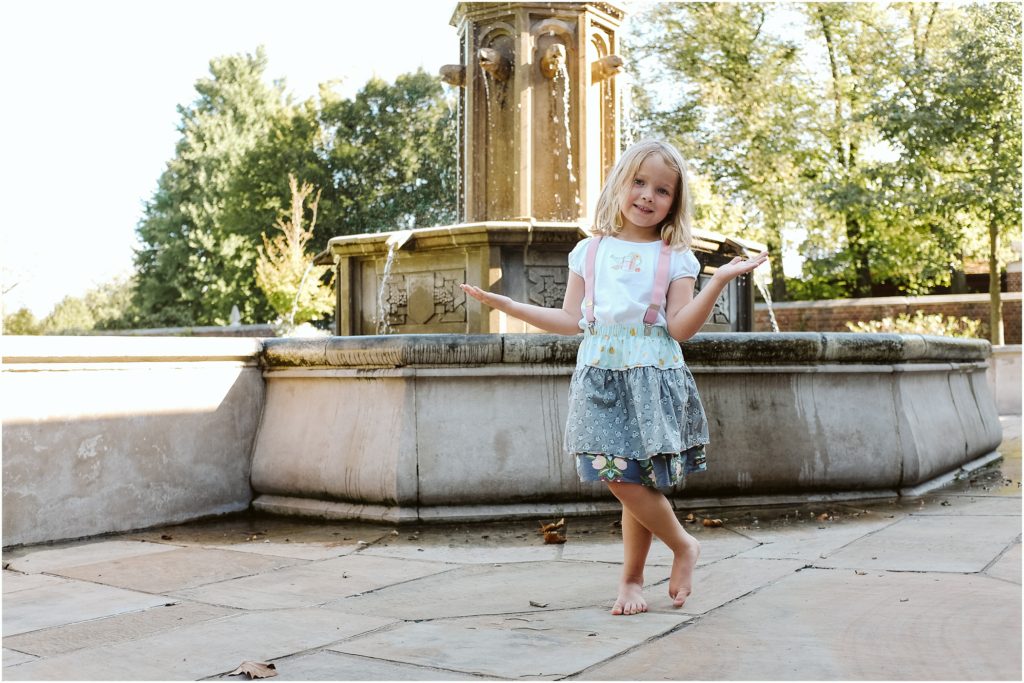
(995, 304)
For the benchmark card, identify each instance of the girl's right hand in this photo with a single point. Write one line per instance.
(496, 301)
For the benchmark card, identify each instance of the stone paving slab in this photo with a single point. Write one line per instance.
(69, 602)
(205, 649)
(716, 544)
(464, 555)
(944, 543)
(487, 589)
(13, 581)
(299, 551)
(31, 561)
(325, 665)
(177, 570)
(533, 645)
(1007, 567)
(12, 658)
(115, 629)
(722, 582)
(975, 505)
(811, 543)
(313, 584)
(836, 625)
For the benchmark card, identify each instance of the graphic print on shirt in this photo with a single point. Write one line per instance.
(630, 262)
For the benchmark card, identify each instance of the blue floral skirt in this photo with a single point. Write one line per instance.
(634, 422)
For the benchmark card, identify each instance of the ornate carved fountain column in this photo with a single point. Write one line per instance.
(538, 108)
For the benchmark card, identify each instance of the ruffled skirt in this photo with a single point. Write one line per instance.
(634, 411)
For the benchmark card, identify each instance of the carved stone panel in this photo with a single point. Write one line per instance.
(724, 312)
(546, 285)
(423, 299)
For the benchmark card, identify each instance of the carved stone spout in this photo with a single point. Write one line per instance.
(454, 74)
(552, 59)
(606, 67)
(495, 63)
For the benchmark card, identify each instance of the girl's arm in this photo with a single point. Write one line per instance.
(687, 313)
(564, 320)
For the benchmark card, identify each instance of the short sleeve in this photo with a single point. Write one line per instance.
(578, 255)
(685, 265)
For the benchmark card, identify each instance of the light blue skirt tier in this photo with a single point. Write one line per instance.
(634, 412)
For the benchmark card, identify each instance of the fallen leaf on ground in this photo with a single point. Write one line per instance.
(711, 522)
(255, 670)
(166, 537)
(533, 603)
(552, 537)
(544, 528)
(859, 572)
(690, 519)
(824, 517)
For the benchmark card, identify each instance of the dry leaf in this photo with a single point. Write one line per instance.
(255, 670)
(538, 604)
(166, 537)
(552, 537)
(859, 572)
(690, 519)
(824, 517)
(544, 528)
(711, 522)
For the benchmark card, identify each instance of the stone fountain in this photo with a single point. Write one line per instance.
(429, 406)
(538, 133)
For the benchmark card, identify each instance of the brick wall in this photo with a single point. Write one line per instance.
(832, 316)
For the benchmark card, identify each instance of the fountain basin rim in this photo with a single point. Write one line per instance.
(497, 233)
(705, 349)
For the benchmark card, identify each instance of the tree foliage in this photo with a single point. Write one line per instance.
(285, 272)
(383, 160)
(885, 139)
(22, 321)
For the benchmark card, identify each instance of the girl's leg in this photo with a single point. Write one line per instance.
(636, 543)
(652, 509)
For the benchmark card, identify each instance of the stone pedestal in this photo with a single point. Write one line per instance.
(407, 282)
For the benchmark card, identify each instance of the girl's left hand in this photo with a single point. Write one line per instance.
(739, 265)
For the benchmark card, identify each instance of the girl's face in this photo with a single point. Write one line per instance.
(649, 199)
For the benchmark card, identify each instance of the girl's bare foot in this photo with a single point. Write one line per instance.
(631, 598)
(680, 583)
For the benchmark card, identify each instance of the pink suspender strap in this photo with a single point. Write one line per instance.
(588, 282)
(658, 293)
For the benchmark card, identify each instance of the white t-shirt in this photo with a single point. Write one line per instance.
(624, 278)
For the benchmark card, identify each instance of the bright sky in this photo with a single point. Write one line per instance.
(89, 115)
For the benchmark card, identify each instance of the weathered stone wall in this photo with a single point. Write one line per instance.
(832, 315)
(465, 427)
(104, 434)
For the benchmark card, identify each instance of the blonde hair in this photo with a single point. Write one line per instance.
(676, 230)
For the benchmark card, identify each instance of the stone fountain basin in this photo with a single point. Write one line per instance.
(456, 427)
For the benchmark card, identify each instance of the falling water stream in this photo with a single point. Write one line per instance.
(563, 75)
(395, 242)
(761, 281)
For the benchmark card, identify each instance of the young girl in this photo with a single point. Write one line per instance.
(635, 419)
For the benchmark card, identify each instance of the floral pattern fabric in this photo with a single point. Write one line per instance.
(659, 471)
(634, 413)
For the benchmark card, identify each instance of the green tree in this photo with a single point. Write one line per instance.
(70, 315)
(741, 115)
(22, 321)
(199, 235)
(391, 153)
(961, 140)
(285, 272)
(384, 160)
